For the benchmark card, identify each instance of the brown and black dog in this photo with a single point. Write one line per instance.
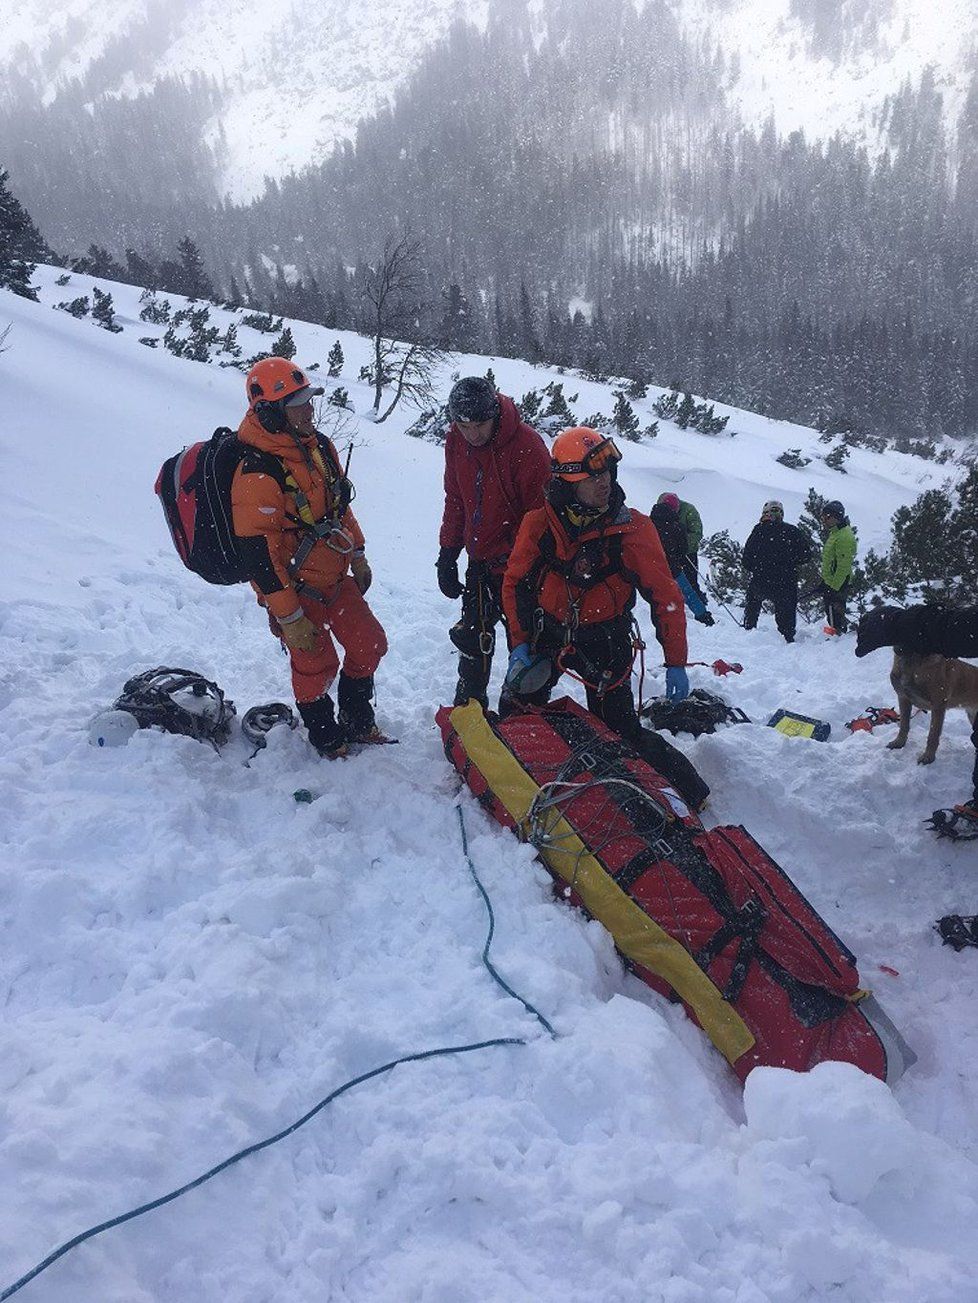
(934, 683)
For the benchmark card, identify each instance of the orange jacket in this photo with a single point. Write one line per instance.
(641, 556)
(268, 538)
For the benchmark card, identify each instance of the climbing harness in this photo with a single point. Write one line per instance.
(699, 712)
(958, 824)
(958, 930)
(179, 701)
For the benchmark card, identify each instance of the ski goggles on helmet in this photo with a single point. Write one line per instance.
(595, 461)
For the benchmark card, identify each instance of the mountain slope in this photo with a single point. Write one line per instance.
(192, 959)
(296, 80)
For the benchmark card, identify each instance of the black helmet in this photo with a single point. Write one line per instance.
(473, 398)
(834, 509)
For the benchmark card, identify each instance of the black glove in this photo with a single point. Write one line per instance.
(447, 570)
(917, 629)
(705, 617)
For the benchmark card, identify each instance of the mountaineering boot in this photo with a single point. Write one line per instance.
(673, 766)
(325, 734)
(356, 709)
(464, 691)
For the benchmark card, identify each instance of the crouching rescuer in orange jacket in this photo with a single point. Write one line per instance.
(305, 556)
(568, 592)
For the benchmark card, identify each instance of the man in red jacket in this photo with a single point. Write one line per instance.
(496, 468)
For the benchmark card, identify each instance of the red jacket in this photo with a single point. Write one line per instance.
(489, 490)
(641, 556)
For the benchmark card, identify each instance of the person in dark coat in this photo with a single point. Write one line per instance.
(496, 468)
(772, 555)
(692, 523)
(665, 517)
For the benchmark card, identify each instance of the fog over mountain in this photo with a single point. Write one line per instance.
(771, 201)
(296, 79)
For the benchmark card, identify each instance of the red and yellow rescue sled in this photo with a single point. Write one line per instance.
(707, 918)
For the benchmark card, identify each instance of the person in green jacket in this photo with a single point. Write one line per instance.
(692, 523)
(838, 555)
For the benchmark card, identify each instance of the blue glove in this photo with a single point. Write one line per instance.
(520, 658)
(677, 683)
(692, 598)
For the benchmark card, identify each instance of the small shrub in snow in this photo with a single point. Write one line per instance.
(150, 341)
(666, 406)
(492, 379)
(793, 459)
(340, 398)
(430, 425)
(706, 420)
(726, 558)
(154, 311)
(103, 311)
(263, 322)
(63, 279)
(836, 459)
(79, 307)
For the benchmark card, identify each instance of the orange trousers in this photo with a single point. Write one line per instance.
(347, 618)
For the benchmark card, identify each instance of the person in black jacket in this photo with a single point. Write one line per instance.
(926, 630)
(672, 535)
(772, 556)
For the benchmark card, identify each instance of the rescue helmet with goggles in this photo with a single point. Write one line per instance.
(580, 453)
(277, 380)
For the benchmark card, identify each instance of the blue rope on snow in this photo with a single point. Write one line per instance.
(317, 1108)
(492, 928)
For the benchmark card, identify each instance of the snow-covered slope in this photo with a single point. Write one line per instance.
(299, 78)
(191, 959)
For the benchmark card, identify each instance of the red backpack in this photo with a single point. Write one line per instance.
(194, 488)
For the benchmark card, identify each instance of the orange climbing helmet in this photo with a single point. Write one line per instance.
(275, 380)
(581, 452)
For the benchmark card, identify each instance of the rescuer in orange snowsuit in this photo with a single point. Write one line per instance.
(568, 592)
(305, 555)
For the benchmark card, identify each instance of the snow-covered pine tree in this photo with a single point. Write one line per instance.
(21, 245)
(725, 556)
(335, 360)
(685, 412)
(530, 405)
(558, 411)
(284, 346)
(623, 417)
(836, 459)
(103, 311)
(196, 284)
